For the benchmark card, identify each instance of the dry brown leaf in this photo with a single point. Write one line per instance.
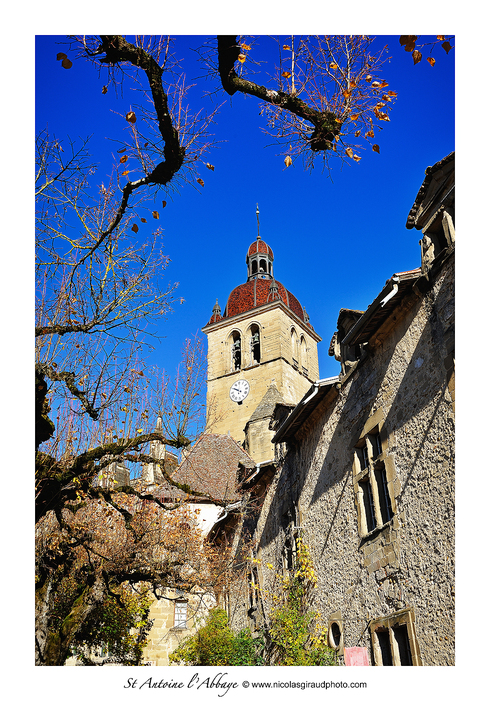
(104, 90)
(349, 152)
(408, 40)
(431, 60)
(66, 63)
(376, 148)
(286, 74)
(200, 181)
(241, 58)
(288, 161)
(446, 46)
(208, 165)
(123, 159)
(156, 215)
(131, 117)
(135, 228)
(417, 56)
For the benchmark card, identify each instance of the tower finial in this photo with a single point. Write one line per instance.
(258, 225)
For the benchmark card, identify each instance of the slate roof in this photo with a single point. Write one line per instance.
(379, 309)
(430, 173)
(268, 403)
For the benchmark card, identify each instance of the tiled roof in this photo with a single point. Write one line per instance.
(212, 465)
(257, 292)
(259, 246)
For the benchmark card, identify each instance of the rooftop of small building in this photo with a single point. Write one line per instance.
(212, 466)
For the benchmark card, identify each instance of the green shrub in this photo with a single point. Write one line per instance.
(215, 644)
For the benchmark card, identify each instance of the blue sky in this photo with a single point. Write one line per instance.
(337, 237)
(335, 243)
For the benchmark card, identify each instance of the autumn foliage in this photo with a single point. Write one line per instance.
(101, 563)
(103, 547)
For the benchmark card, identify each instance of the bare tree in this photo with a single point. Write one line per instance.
(99, 263)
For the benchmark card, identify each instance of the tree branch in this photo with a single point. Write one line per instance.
(326, 123)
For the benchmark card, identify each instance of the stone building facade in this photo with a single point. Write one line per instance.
(360, 464)
(364, 465)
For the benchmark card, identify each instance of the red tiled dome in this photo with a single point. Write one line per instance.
(259, 246)
(258, 291)
(261, 287)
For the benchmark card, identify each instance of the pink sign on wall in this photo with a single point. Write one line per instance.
(356, 657)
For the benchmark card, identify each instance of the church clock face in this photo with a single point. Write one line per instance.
(239, 391)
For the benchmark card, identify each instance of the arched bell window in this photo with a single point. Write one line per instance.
(294, 347)
(236, 351)
(255, 350)
(303, 356)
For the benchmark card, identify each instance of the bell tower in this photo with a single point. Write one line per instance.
(262, 349)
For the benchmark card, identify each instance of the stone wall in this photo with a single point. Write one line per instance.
(165, 636)
(404, 386)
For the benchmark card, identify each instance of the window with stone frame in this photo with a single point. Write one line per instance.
(394, 640)
(180, 614)
(253, 598)
(374, 498)
(290, 523)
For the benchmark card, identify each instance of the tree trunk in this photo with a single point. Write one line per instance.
(54, 640)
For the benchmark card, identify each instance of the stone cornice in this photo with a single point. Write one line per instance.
(256, 311)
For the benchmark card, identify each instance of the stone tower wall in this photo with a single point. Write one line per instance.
(276, 365)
